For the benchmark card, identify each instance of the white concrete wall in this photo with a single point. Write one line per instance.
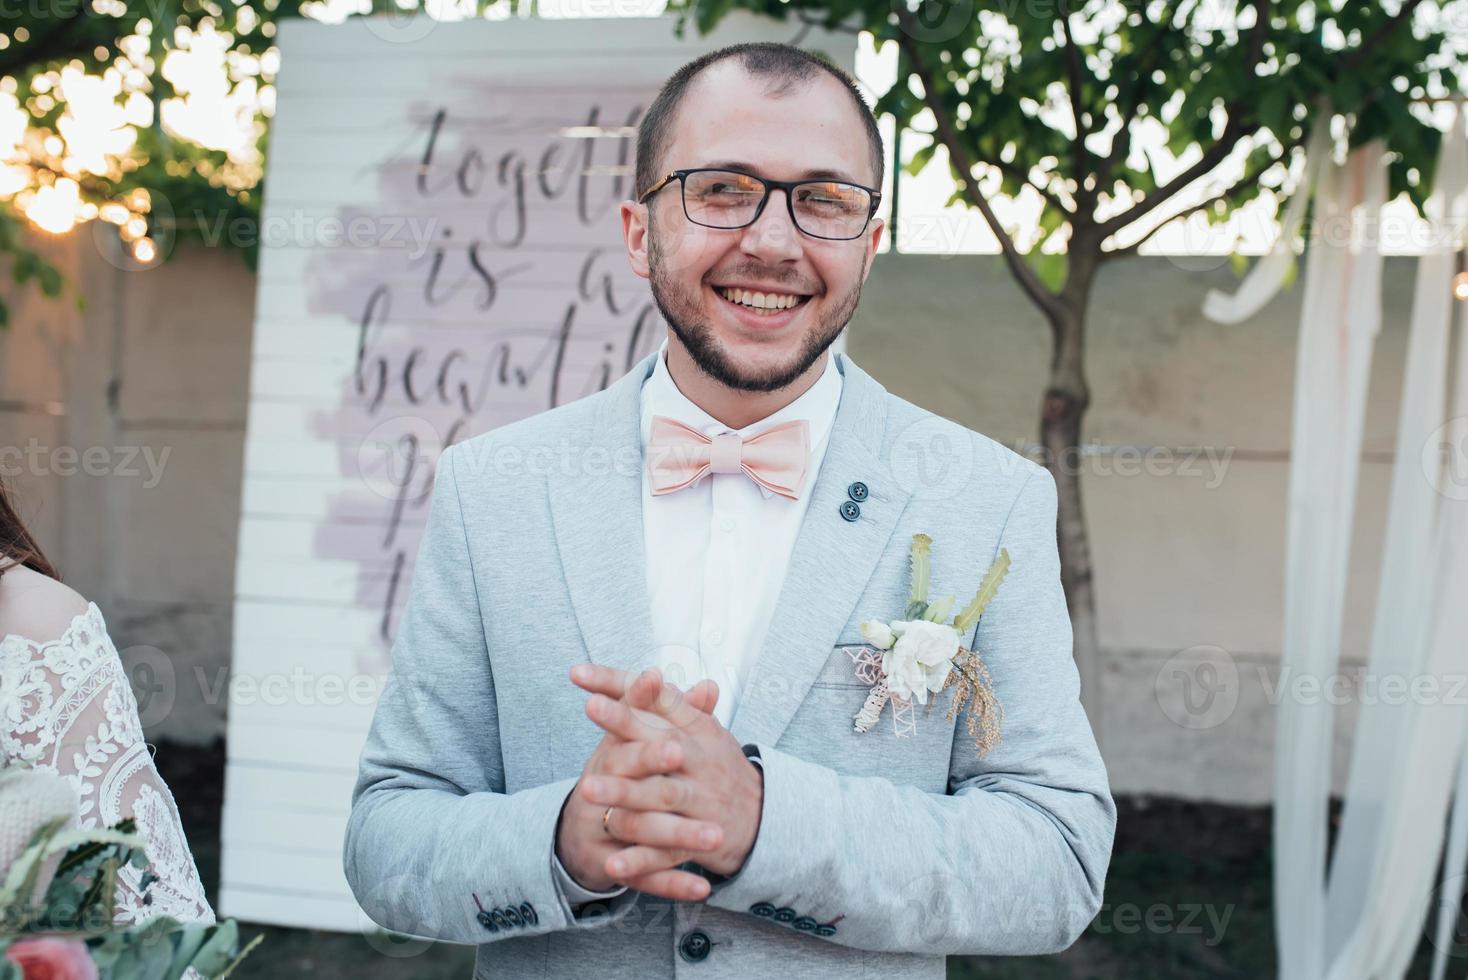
(1189, 556)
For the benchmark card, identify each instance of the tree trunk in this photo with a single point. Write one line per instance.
(1061, 416)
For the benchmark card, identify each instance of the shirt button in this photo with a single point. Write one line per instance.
(716, 637)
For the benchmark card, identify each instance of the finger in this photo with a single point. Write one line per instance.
(600, 679)
(619, 719)
(666, 831)
(636, 759)
(642, 693)
(612, 683)
(638, 860)
(680, 886)
(666, 793)
(703, 696)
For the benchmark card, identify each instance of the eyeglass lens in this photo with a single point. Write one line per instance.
(728, 199)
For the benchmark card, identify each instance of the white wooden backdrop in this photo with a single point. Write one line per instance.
(441, 254)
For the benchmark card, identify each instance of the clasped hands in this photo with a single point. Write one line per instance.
(679, 784)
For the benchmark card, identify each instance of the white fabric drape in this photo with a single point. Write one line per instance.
(1339, 319)
(1406, 749)
(1366, 923)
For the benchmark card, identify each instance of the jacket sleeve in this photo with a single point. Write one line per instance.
(434, 845)
(1012, 858)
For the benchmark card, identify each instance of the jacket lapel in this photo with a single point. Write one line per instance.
(831, 564)
(596, 506)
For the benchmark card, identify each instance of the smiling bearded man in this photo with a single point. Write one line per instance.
(618, 739)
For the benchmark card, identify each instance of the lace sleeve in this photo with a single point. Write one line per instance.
(66, 705)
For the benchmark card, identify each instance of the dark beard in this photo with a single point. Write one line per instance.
(682, 312)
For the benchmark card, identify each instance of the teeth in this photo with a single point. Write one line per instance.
(761, 301)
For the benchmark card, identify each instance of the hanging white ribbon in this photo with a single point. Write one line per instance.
(1268, 275)
(1405, 750)
(1340, 316)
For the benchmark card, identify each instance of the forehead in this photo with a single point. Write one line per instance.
(779, 130)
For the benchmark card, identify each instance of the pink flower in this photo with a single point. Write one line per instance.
(52, 959)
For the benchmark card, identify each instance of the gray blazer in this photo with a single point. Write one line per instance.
(876, 855)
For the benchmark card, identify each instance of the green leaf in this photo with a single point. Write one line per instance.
(967, 619)
(708, 13)
(50, 279)
(1049, 267)
(920, 159)
(938, 611)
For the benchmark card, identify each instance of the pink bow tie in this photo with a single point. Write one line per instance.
(679, 456)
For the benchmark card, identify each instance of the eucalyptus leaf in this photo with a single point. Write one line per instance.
(920, 569)
(969, 617)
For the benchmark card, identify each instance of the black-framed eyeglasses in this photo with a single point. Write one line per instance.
(717, 198)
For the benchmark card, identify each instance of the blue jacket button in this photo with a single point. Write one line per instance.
(825, 930)
(805, 923)
(857, 491)
(784, 915)
(762, 909)
(850, 510)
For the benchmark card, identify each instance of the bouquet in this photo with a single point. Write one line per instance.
(58, 886)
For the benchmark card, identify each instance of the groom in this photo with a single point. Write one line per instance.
(618, 737)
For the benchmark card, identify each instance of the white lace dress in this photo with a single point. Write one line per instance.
(66, 706)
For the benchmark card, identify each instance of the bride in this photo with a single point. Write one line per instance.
(66, 706)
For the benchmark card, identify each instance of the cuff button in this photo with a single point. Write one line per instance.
(762, 909)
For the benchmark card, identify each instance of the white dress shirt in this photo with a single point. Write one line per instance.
(717, 552)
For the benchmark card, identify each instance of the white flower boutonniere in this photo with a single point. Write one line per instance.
(920, 654)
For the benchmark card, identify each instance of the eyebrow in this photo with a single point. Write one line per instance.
(817, 174)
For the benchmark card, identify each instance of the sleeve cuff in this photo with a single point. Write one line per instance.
(575, 894)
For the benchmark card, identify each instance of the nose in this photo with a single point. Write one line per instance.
(773, 237)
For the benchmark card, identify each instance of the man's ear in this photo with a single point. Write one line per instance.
(873, 241)
(635, 234)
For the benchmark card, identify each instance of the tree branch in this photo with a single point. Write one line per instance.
(1355, 59)
(1050, 197)
(1248, 180)
(1121, 146)
(1028, 280)
(1233, 131)
(1076, 70)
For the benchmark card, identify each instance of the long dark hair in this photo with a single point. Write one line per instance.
(16, 543)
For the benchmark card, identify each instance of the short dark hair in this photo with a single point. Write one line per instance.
(783, 65)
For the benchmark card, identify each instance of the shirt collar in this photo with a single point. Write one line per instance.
(817, 405)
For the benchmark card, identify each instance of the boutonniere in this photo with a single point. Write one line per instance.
(921, 654)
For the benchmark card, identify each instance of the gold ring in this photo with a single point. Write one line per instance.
(605, 817)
